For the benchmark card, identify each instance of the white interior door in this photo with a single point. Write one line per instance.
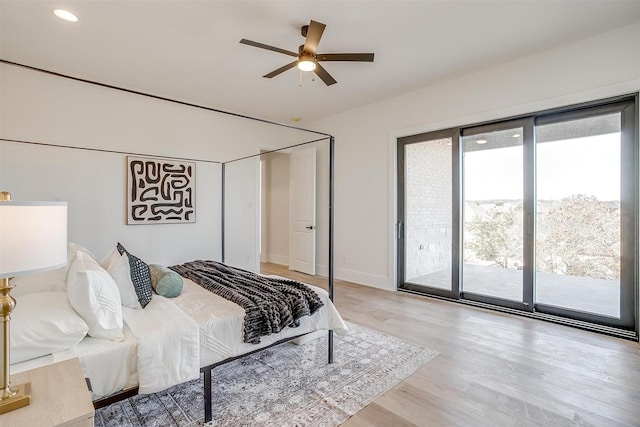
(302, 167)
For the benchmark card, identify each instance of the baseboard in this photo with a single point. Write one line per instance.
(366, 279)
(322, 270)
(353, 276)
(275, 259)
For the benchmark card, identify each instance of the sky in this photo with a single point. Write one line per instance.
(589, 166)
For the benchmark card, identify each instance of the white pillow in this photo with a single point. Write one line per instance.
(95, 297)
(49, 281)
(73, 249)
(43, 323)
(104, 263)
(120, 270)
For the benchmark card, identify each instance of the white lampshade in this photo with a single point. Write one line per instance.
(33, 237)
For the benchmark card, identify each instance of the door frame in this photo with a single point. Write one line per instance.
(401, 283)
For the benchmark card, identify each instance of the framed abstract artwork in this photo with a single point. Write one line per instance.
(160, 191)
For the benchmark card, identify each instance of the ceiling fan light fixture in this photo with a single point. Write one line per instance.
(306, 63)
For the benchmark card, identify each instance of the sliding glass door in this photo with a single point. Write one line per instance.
(426, 231)
(537, 214)
(585, 202)
(493, 213)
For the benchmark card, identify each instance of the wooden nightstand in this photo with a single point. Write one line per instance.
(59, 397)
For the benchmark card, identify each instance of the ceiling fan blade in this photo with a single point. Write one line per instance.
(281, 69)
(358, 57)
(267, 47)
(324, 75)
(314, 33)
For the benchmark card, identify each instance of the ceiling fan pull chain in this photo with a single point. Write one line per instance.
(300, 78)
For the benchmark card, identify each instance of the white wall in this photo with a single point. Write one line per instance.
(94, 186)
(242, 216)
(46, 109)
(595, 68)
(322, 207)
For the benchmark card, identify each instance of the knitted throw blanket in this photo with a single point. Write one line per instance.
(270, 304)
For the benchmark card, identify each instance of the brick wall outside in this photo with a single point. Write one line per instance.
(428, 207)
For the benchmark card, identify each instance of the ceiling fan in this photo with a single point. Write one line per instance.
(307, 59)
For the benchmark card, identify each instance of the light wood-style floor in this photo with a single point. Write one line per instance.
(494, 369)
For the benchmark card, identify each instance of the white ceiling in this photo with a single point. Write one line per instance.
(189, 50)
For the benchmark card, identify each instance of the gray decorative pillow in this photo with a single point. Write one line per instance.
(165, 282)
(140, 276)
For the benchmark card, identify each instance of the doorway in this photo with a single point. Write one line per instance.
(288, 209)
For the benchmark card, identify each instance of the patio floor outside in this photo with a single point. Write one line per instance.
(587, 294)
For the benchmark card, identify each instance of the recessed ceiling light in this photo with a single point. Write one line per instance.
(65, 15)
(481, 141)
(516, 135)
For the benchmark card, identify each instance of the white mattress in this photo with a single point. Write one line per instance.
(112, 366)
(221, 321)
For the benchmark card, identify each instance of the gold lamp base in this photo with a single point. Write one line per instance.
(20, 399)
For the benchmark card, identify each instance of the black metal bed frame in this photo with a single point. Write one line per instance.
(207, 369)
(208, 409)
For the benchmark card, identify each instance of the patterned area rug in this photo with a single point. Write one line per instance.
(288, 385)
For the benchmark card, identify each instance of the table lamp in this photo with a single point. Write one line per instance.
(33, 238)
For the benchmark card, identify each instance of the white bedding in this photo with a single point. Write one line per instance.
(167, 342)
(221, 321)
(111, 366)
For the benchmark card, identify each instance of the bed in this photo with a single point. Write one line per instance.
(169, 341)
